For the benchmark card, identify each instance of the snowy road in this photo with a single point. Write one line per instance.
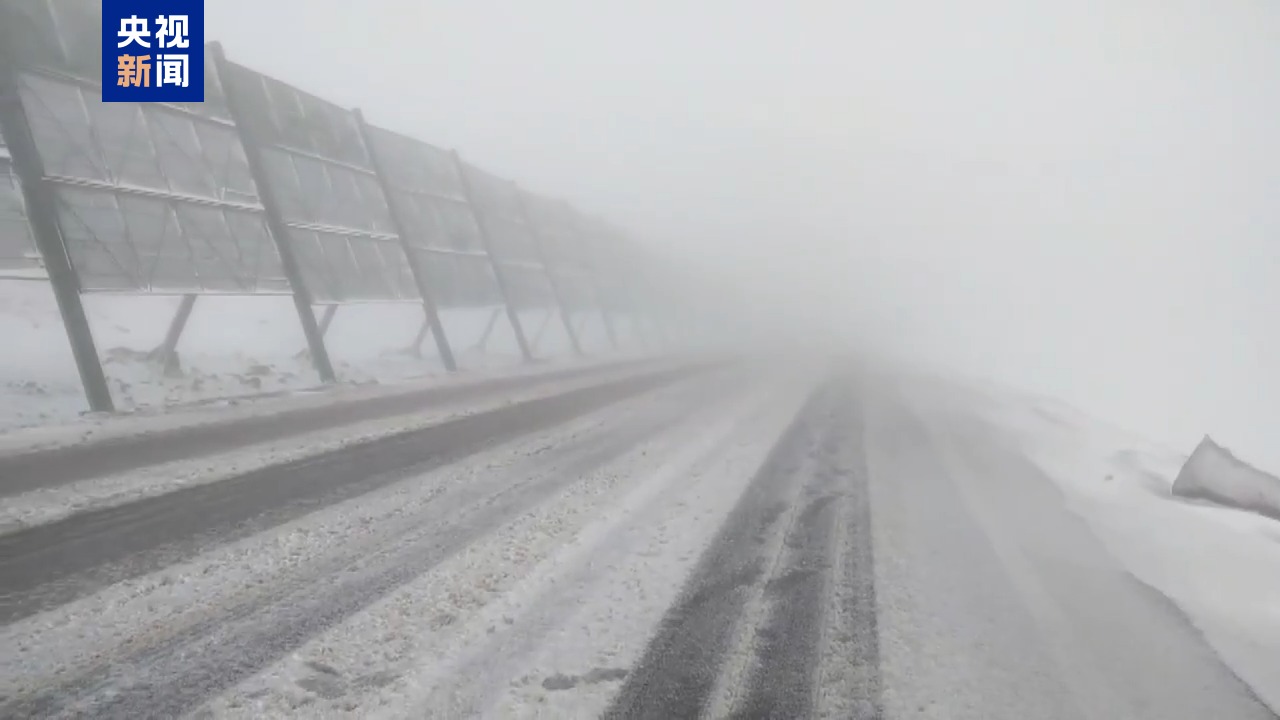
(60, 465)
(722, 543)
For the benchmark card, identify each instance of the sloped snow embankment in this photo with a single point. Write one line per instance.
(47, 505)
(1221, 566)
(235, 347)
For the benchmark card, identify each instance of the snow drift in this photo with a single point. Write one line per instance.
(249, 346)
(1213, 473)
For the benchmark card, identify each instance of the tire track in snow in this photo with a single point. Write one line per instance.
(150, 610)
(27, 470)
(848, 673)
(747, 637)
(52, 504)
(175, 674)
(52, 564)
(574, 618)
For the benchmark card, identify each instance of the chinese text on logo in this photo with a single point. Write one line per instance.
(153, 50)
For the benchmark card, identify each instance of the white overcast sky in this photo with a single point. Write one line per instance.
(1079, 196)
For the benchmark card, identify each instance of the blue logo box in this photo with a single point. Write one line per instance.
(153, 51)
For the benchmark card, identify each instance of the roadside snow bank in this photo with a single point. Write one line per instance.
(1213, 473)
(48, 505)
(1221, 566)
(246, 347)
(148, 421)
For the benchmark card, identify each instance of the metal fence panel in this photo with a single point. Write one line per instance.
(160, 197)
(494, 196)
(450, 226)
(416, 166)
(529, 286)
(323, 178)
(18, 255)
(578, 291)
(429, 191)
(152, 198)
(440, 226)
(513, 241)
(499, 201)
(460, 281)
(614, 279)
(65, 37)
(61, 35)
(554, 223)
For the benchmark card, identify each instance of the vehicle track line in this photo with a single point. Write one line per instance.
(786, 583)
(26, 471)
(52, 564)
(681, 665)
(181, 672)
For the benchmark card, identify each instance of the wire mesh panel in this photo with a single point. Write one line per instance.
(529, 286)
(61, 35)
(461, 281)
(578, 291)
(440, 230)
(605, 247)
(64, 37)
(555, 225)
(499, 202)
(565, 251)
(323, 178)
(18, 254)
(150, 198)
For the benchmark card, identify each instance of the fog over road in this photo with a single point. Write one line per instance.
(707, 541)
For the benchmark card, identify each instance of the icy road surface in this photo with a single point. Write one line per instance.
(725, 543)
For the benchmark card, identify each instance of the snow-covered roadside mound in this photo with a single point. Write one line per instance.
(1213, 473)
(239, 347)
(47, 505)
(1220, 566)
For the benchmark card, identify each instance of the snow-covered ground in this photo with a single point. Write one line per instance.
(1215, 473)
(48, 505)
(91, 428)
(566, 595)
(980, 539)
(236, 347)
(1220, 565)
(166, 602)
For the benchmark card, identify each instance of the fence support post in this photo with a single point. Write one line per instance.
(327, 318)
(423, 328)
(542, 328)
(593, 262)
(275, 221)
(419, 279)
(499, 272)
(488, 330)
(637, 318)
(165, 352)
(42, 213)
(556, 290)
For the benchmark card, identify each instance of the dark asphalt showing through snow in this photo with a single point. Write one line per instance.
(171, 678)
(37, 469)
(55, 563)
(878, 564)
(810, 476)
